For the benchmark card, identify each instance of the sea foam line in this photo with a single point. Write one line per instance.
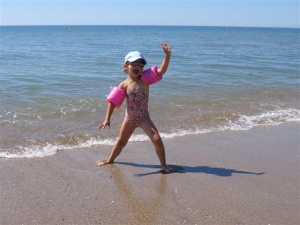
(243, 123)
(51, 149)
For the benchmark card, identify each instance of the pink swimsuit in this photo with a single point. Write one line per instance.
(137, 101)
(137, 106)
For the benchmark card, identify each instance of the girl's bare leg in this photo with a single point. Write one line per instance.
(126, 131)
(150, 129)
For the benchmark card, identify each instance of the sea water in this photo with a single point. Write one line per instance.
(54, 82)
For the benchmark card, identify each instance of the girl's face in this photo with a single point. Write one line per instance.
(135, 68)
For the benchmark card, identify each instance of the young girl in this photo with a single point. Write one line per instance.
(136, 90)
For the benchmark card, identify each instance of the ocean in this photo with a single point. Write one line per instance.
(54, 81)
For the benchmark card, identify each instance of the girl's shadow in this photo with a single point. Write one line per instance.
(223, 172)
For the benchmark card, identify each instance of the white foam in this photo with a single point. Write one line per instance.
(51, 149)
(31, 152)
(245, 122)
(268, 118)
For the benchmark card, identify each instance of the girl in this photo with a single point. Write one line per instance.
(136, 90)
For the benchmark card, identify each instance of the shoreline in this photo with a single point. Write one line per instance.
(229, 177)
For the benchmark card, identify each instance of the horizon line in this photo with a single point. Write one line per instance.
(226, 26)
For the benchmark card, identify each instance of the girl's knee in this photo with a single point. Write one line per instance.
(122, 143)
(157, 141)
(156, 138)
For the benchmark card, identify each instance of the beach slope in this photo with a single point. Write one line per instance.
(232, 177)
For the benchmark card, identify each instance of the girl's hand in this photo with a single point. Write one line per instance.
(104, 124)
(166, 48)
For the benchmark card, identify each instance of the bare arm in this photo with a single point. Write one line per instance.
(166, 60)
(110, 109)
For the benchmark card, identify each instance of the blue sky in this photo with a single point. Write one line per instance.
(257, 13)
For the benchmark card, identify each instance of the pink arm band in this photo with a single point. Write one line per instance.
(116, 96)
(150, 76)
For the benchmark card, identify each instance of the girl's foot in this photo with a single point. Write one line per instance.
(101, 163)
(166, 169)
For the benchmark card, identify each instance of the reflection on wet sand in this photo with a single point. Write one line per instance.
(140, 209)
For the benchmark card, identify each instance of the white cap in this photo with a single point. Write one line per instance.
(133, 56)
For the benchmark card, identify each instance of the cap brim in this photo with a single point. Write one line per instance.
(132, 59)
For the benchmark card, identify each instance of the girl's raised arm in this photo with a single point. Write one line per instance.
(165, 63)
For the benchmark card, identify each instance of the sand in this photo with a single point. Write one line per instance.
(232, 177)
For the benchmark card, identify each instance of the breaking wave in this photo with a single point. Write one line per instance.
(243, 123)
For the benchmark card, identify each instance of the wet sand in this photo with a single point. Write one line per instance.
(244, 177)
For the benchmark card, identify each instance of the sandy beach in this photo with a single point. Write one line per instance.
(232, 177)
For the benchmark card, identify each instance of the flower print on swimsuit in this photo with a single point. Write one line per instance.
(137, 106)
